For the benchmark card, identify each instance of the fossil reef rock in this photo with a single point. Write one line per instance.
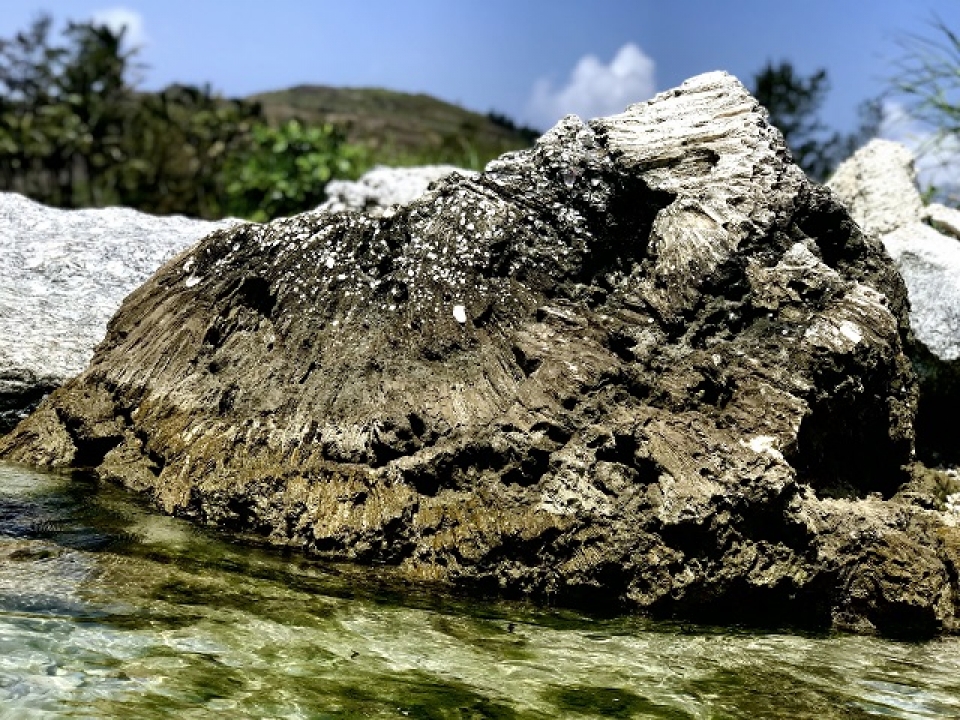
(645, 364)
(63, 274)
(878, 184)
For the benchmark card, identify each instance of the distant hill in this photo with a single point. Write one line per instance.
(400, 126)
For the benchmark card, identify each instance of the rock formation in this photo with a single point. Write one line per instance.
(645, 364)
(878, 184)
(379, 190)
(63, 274)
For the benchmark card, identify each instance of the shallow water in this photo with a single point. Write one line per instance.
(110, 611)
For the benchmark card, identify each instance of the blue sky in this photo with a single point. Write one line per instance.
(531, 59)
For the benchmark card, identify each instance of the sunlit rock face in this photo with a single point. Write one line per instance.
(878, 184)
(63, 274)
(644, 365)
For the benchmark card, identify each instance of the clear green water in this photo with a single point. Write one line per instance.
(110, 611)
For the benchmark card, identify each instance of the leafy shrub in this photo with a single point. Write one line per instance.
(285, 169)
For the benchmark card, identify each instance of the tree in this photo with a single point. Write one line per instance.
(94, 84)
(183, 141)
(794, 104)
(27, 78)
(62, 110)
(74, 132)
(506, 122)
(927, 80)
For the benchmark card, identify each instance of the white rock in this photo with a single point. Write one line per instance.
(943, 219)
(64, 273)
(951, 514)
(878, 185)
(379, 190)
(930, 265)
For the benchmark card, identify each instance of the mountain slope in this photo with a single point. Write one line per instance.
(396, 122)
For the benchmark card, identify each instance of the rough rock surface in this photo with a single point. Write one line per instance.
(380, 190)
(644, 365)
(878, 184)
(63, 274)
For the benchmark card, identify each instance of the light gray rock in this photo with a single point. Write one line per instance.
(378, 191)
(878, 185)
(930, 264)
(943, 219)
(63, 274)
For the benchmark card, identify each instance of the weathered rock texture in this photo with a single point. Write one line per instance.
(380, 190)
(635, 366)
(879, 186)
(63, 274)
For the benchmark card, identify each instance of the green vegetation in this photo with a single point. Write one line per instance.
(75, 132)
(401, 129)
(927, 81)
(177, 148)
(62, 111)
(285, 169)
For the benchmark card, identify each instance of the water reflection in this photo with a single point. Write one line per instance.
(108, 610)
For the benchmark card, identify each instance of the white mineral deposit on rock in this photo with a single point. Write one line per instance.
(952, 509)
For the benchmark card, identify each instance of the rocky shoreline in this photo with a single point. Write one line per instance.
(645, 365)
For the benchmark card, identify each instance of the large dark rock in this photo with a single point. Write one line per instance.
(644, 365)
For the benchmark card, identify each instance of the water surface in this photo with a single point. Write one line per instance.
(108, 610)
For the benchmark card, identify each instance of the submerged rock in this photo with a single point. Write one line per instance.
(644, 365)
(878, 184)
(63, 274)
(380, 190)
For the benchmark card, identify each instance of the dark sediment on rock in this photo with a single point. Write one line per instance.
(644, 365)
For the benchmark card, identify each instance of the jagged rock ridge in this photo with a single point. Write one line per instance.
(636, 365)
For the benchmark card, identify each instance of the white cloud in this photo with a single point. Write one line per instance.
(937, 156)
(121, 17)
(595, 89)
